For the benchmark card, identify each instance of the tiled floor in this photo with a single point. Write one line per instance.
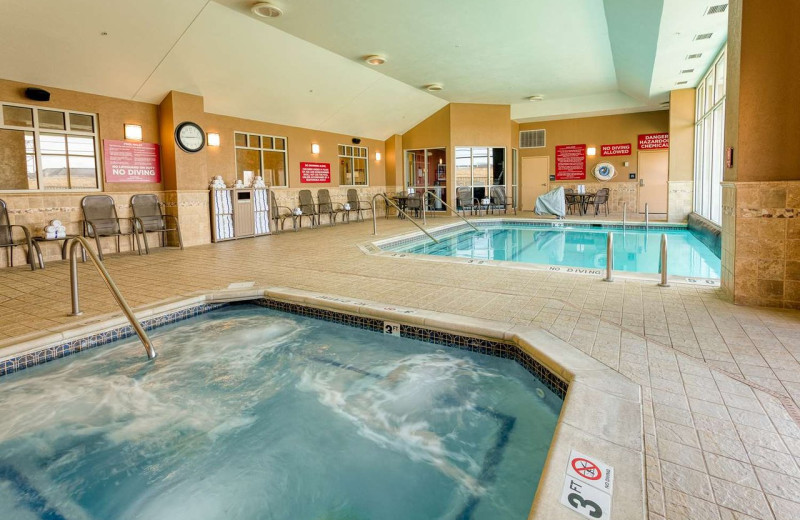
(720, 383)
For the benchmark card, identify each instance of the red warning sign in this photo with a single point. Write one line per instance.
(586, 468)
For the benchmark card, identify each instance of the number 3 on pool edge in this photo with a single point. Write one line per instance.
(578, 501)
(391, 328)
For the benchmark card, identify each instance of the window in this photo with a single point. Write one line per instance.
(47, 149)
(709, 141)
(479, 168)
(353, 165)
(263, 155)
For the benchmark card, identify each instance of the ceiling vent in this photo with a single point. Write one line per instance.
(532, 138)
(687, 71)
(694, 56)
(266, 10)
(681, 82)
(717, 9)
(704, 36)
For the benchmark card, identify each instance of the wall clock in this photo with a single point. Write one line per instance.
(190, 137)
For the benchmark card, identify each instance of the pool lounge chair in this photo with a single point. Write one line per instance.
(100, 220)
(466, 201)
(148, 211)
(308, 208)
(600, 199)
(326, 207)
(498, 200)
(357, 205)
(8, 241)
(279, 214)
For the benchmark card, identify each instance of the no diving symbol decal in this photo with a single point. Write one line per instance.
(586, 469)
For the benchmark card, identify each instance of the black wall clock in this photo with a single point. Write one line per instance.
(190, 137)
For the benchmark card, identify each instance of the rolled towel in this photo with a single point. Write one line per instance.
(50, 236)
(61, 229)
(50, 229)
(55, 223)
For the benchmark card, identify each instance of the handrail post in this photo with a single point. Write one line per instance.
(624, 214)
(451, 208)
(646, 216)
(424, 203)
(74, 242)
(663, 269)
(400, 211)
(609, 258)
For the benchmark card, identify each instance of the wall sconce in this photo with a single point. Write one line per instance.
(591, 151)
(314, 148)
(213, 139)
(133, 132)
(377, 156)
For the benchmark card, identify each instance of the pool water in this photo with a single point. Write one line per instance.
(250, 413)
(634, 250)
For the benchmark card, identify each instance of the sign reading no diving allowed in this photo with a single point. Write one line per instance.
(588, 486)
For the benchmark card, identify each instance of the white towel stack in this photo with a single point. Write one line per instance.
(217, 183)
(258, 182)
(55, 230)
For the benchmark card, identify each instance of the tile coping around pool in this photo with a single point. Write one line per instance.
(601, 415)
(376, 248)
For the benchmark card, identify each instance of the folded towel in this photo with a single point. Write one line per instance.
(55, 223)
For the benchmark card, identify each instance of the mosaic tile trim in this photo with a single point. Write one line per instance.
(23, 361)
(482, 346)
(459, 228)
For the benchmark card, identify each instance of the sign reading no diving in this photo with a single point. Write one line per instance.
(588, 486)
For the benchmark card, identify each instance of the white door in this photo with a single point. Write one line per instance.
(534, 181)
(653, 181)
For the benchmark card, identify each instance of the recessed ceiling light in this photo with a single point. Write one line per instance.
(537, 97)
(704, 36)
(375, 59)
(694, 56)
(266, 10)
(434, 87)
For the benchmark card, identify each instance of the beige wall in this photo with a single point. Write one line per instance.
(595, 132)
(681, 134)
(480, 125)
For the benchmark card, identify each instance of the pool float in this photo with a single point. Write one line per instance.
(604, 171)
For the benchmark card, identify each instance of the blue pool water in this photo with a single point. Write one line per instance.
(250, 413)
(634, 250)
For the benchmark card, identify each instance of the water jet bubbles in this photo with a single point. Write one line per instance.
(540, 393)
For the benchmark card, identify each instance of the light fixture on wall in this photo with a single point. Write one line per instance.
(591, 151)
(133, 132)
(213, 139)
(377, 156)
(314, 148)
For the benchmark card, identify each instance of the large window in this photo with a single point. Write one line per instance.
(263, 155)
(709, 141)
(47, 149)
(480, 168)
(353, 165)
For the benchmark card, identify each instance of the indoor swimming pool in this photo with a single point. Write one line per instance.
(635, 250)
(251, 412)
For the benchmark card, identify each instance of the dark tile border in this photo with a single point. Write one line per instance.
(501, 349)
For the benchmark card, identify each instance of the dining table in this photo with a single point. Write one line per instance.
(581, 199)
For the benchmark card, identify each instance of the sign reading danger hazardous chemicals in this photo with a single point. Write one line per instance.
(588, 486)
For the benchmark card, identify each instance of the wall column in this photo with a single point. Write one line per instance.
(681, 154)
(761, 191)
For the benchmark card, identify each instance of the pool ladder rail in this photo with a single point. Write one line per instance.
(406, 215)
(451, 208)
(662, 268)
(101, 268)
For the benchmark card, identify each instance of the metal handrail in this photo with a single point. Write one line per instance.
(73, 279)
(624, 215)
(448, 206)
(664, 282)
(610, 258)
(375, 218)
(646, 216)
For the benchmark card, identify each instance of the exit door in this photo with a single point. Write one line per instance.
(653, 181)
(534, 181)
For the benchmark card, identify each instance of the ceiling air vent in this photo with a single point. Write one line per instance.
(704, 36)
(694, 56)
(681, 82)
(532, 139)
(687, 71)
(716, 9)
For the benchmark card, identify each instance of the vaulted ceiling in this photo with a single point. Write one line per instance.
(306, 68)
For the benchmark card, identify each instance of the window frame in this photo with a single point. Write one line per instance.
(261, 151)
(37, 131)
(352, 158)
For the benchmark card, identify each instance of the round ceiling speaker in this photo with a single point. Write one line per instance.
(434, 87)
(266, 10)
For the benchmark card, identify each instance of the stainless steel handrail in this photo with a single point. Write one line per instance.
(624, 215)
(451, 208)
(375, 218)
(73, 279)
(646, 216)
(610, 258)
(664, 282)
